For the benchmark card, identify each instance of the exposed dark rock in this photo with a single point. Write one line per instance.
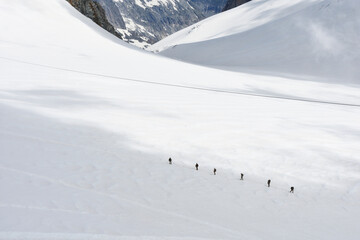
(234, 3)
(113, 13)
(144, 22)
(147, 22)
(208, 7)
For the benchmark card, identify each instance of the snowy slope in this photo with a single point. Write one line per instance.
(310, 39)
(87, 125)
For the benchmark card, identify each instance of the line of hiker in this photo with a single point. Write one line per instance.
(241, 175)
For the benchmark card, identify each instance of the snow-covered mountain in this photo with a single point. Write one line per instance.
(209, 7)
(144, 22)
(148, 21)
(88, 122)
(313, 39)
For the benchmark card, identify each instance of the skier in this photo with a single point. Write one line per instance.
(242, 176)
(292, 190)
(170, 161)
(214, 171)
(268, 182)
(197, 166)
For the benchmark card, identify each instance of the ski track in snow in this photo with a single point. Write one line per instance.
(132, 202)
(253, 181)
(190, 87)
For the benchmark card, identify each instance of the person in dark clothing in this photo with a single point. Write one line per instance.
(292, 190)
(170, 161)
(242, 176)
(214, 171)
(268, 182)
(197, 166)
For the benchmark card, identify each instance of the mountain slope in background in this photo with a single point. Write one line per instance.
(310, 39)
(147, 22)
(144, 22)
(94, 11)
(209, 7)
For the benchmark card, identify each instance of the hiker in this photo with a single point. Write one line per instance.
(214, 171)
(197, 166)
(242, 176)
(170, 161)
(268, 182)
(292, 190)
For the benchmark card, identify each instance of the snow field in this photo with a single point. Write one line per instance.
(85, 156)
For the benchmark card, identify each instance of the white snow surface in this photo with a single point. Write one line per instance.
(309, 39)
(84, 149)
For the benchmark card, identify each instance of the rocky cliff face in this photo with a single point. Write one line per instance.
(94, 11)
(208, 7)
(144, 22)
(148, 21)
(234, 3)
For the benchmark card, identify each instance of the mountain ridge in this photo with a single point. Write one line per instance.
(234, 3)
(145, 22)
(311, 39)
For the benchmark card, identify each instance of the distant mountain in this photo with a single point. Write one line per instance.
(234, 3)
(209, 7)
(145, 22)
